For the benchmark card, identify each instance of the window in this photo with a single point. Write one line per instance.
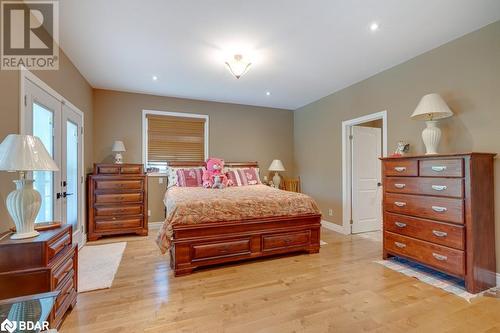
(171, 136)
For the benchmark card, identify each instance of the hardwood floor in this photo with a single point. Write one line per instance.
(338, 290)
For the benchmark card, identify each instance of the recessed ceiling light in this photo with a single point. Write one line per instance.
(268, 93)
(374, 26)
(155, 78)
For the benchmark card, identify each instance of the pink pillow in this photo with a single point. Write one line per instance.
(190, 177)
(243, 177)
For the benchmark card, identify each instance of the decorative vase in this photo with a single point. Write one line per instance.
(23, 205)
(431, 136)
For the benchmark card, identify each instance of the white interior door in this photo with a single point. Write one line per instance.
(366, 185)
(60, 129)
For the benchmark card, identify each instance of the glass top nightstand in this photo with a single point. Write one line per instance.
(27, 313)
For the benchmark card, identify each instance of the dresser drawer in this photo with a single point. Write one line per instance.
(131, 169)
(118, 198)
(436, 232)
(442, 168)
(116, 223)
(443, 187)
(118, 210)
(280, 241)
(442, 209)
(221, 249)
(136, 184)
(401, 167)
(60, 244)
(440, 257)
(65, 269)
(107, 169)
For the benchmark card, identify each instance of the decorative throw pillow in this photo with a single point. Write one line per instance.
(172, 177)
(190, 177)
(244, 176)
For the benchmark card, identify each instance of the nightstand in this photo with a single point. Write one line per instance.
(47, 262)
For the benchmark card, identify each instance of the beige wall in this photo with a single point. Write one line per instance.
(466, 72)
(68, 82)
(237, 132)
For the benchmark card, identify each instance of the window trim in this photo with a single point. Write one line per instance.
(172, 114)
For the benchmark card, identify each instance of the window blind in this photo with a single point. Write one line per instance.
(173, 138)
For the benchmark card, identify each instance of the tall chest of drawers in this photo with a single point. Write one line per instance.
(439, 211)
(117, 200)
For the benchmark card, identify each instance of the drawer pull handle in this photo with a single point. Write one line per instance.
(400, 203)
(439, 233)
(439, 187)
(439, 257)
(400, 224)
(439, 209)
(438, 168)
(400, 169)
(399, 185)
(400, 245)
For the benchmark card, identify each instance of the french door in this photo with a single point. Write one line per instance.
(60, 129)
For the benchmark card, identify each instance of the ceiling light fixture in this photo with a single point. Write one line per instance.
(155, 77)
(374, 26)
(268, 93)
(238, 66)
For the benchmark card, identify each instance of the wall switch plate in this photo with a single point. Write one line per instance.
(149, 212)
(160, 180)
(330, 212)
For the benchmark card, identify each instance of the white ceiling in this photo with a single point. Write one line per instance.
(302, 49)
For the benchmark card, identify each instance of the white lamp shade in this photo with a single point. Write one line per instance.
(118, 147)
(432, 107)
(276, 165)
(25, 153)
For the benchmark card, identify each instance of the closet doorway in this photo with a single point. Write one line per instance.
(364, 142)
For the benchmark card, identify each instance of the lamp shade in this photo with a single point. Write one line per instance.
(276, 165)
(25, 153)
(118, 147)
(432, 107)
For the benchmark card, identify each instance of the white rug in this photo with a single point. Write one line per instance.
(97, 265)
(321, 243)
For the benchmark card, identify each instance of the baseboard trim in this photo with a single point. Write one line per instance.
(154, 225)
(334, 227)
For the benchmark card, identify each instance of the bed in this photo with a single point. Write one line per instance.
(206, 227)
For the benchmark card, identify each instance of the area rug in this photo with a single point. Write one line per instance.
(428, 275)
(321, 243)
(97, 265)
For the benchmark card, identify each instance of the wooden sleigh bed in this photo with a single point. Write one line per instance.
(205, 244)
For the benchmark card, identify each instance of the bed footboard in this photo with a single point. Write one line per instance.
(209, 244)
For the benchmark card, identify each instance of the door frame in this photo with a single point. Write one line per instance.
(25, 74)
(347, 165)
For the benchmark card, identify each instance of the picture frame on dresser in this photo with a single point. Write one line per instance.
(117, 200)
(439, 211)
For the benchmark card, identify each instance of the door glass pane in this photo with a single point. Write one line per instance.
(43, 123)
(72, 174)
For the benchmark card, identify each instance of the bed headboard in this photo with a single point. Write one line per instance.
(193, 164)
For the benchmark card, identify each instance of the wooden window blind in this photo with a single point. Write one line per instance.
(173, 138)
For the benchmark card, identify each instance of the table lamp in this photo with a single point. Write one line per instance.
(431, 108)
(276, 166)
(24, 153)
(118, 149)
